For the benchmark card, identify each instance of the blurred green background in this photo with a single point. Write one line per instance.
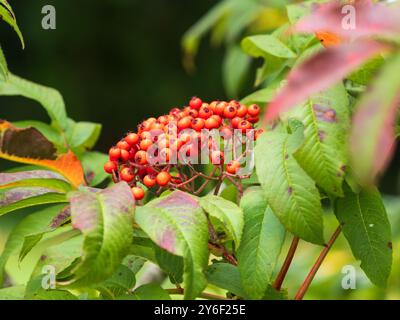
(117, 62)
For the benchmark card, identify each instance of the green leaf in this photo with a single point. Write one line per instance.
(8, 16)
(265, 45)
(171, 264)
(290, 192)
(3, 66)
(31, 224)
(82, 135)
(261, 96)
(105, 220)
(235, 67)
(18, 198)
(226, 276)
(177, 224)
(49, 98)
(326, 122)
(121, 281)
(262, 241)
(33, 238)
(12, 293)
(367, 229)
(35, 291)
(93, 165)
(364, 75)
(226, 215)
(149, 291)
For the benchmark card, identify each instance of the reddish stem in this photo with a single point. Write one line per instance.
(307, 282)
(286, 264)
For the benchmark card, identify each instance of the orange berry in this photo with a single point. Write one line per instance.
(132, 139)
(127, 175)
(184, 123)
(235, 122)
(145, 144)
(163, 178)
(253, 110)
(217, 157)
(198, 124)
(220, 107)
(125, 155)
(138, 193)
(141, 157)
(149, 181)
(241, 111)
(110, 166)
(233, 167)
(195, 103)
(229, 112)
(114, 153)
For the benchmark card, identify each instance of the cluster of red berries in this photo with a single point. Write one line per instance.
(145, 156)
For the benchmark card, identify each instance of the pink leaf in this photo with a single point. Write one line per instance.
(373, 134)
(321, 71)
(369, 19)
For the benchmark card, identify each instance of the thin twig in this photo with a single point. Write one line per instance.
(306, 284)
(286, 264)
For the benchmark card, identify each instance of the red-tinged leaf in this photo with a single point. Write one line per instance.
(369, 19)
(373, 131)
(12, 177)
(321, 71)
(29, 146)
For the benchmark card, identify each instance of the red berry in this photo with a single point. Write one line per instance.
(244, 125)
(184, 123)
(241, 111)
(149, 181)
(145, 144)
(123, 145)
(235, 122)
(205, 112)
(217, 157)
(127, 175)
(198, 124)
(217, 118)
(254, 110)
(253, 119)
(211, 123)
(233, 167)
(163, 178)
(141, 157)
(132, 139)
(195, 103)
(229, 112)
(220, 107)
(138, 193)
(114, 153)
(226, 132)
(125, 155)
(110, 166)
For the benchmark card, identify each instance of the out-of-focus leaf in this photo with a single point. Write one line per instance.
(12, 293)
(320, 71)
(235, 68)
(3, 66)
(105, 220)
(263, 45)
(49, 98)
(31, 224)
(31, 147)
(326, 121)
(23, 197)
(93, 162)
(177, 224)
(261, 96)
(373, 130)
(370, 19)
(191, 38)
(262, 241)
(8, 16)
(367, 229)
(224, 215)
(290, 192)
(149, 291)
(364, 75)
(226, 276)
